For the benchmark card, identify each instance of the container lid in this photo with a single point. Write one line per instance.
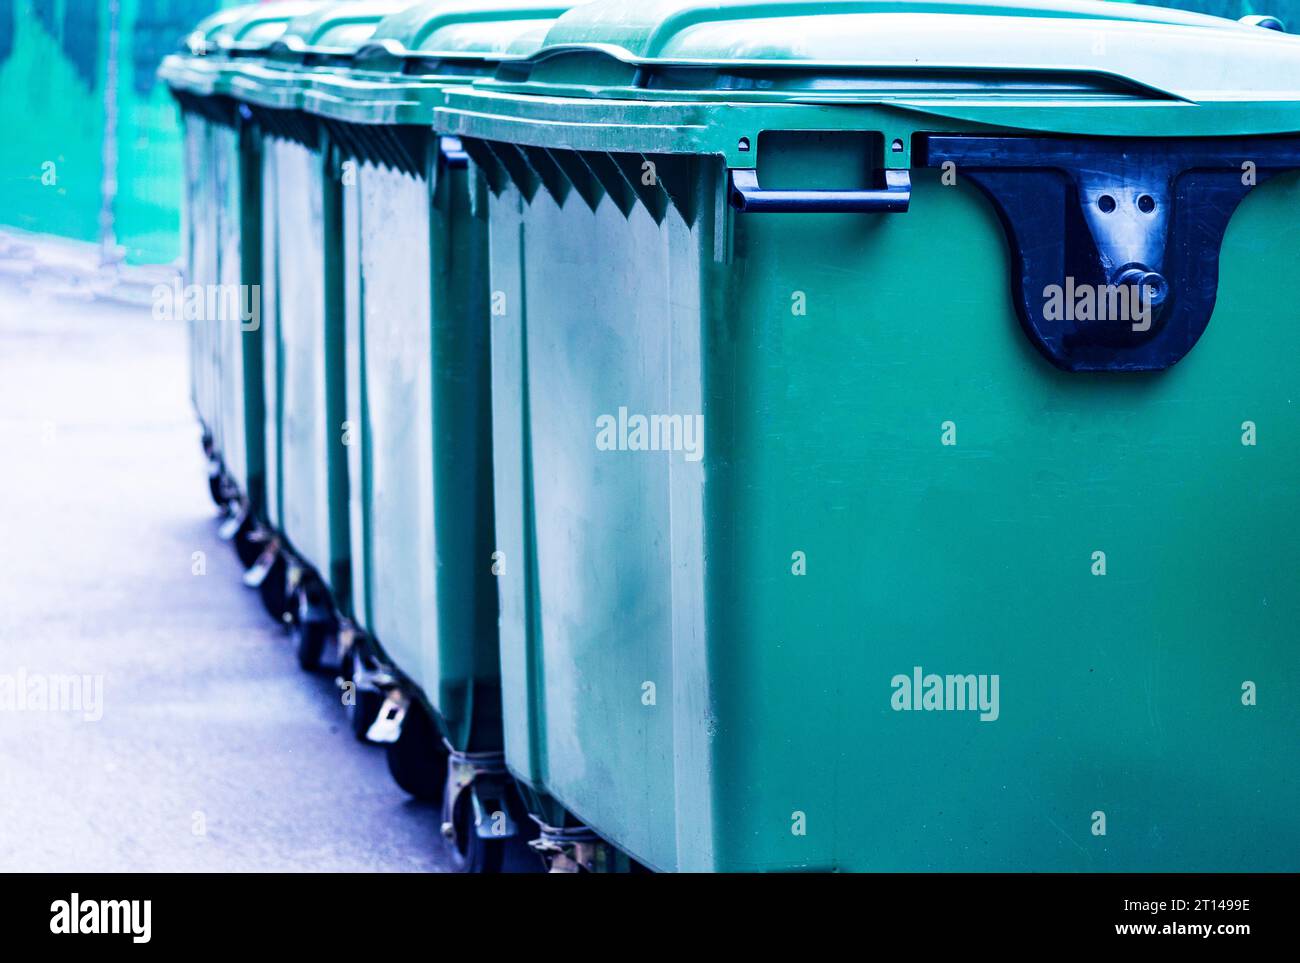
(263, 24)
(1080, 66)
(238, 31)
(203, 38)
(397, 75)
(334, 29)
(1172, 51)
(319, 39)
(474, 29)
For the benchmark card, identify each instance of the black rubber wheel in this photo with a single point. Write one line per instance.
(417, 760)
(217, 489)
(312, 637)
(483, 854)
(314, 626)
(248, 543)
(274, 591)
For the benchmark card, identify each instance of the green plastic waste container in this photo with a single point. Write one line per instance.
(200, 113)
(416, 317)
(894, 430)
(222, 236)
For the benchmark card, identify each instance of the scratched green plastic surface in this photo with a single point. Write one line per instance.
(241, 415)
(420, 470)
(225, 359)
(199, 253)
(271, 393)
(1119, 693)
(303, 360)
(224, 172)
(389, 400)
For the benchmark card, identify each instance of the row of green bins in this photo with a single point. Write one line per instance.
(375, 315)
(221, 236)
(302, 295)
(797, 444)
(415, 310)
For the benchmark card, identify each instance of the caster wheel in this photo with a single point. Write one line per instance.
(417, 760)
(364, 711)
(366, 703)
(314, 626)
(479, 854)
(274, 591)
(217, 489)
(311, 637)
(248, 542)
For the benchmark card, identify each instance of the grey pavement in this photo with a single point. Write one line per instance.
(214, 751)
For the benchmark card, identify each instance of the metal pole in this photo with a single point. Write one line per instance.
(108, 184)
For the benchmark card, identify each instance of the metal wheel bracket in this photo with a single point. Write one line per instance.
(314, 607)
(572, 849)
(294, 576)
(348, 638)
(260, 569)
(231, 526)
(484, 777)
(387, 726)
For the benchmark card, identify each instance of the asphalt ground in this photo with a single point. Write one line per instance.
(199, 744)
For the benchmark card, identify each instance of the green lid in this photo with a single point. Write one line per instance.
(912, 32)
(1070, 66)
(237, 31)
(398, 74)
(314, 41)
(203, 39)
(336, 29)
(263, 25)
(465, 28)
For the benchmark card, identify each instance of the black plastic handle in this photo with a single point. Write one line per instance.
(1114, 241)
(893, 198)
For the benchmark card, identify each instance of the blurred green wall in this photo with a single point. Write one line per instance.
(55, 105)
(54, 57)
